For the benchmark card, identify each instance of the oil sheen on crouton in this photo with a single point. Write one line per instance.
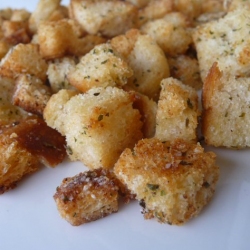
(86, 197)
(23, 59)
(177, 112)
(173, 181)
(23, 146)
(31, 94)
(226, 116)
(137, 50)
(98, 124)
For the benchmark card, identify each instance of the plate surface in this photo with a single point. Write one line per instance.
(29, 217)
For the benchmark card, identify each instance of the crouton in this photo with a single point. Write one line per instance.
(226, 116)
(106, 17)
(20, 15)
(154, 9)
(236, 4)
(177, 112)
(9, 113)
(57, 72)
(186, 69)
(23, 146)
(169, 33)
(86, 197)
(98, 125)
(112, 70)
(23, 59)
(31, 94)
(137, 50)
(173, 182)
(43, 11)
(4, 48)
(213, 6)
(225, 41)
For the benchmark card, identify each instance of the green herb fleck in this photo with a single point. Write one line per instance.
(152, 187)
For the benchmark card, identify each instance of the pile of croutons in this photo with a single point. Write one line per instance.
(114, 84)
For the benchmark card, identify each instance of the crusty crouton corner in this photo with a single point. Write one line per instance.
(113, 84)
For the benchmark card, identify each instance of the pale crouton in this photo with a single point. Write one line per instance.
(86, 197)
(137, 50)
(20, 15)
(226, 116)
(101, 67)
(186, 69)
(225, 41)
(23, 59)
(57, 72)
(169, 33)
(154, 9)
(23, 146)
(31, 94)
(214, 6)
(9, 113)
(106, 17)
(43, 11)
(177, 113)
(236, 4)
(173, 182)
(98, 125)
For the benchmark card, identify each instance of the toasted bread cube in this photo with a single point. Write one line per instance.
(43, 11)
(23, 59)
(173, 181)
(6, 13)
(58, 70)
(186, 69)
(153, 9)
(87, 197)
(98, 125)
(106, 17)
(177, 113)
(226, 116)
(9, 113)
(101, 67)
(24, 146)
(20, 15)
(31, 94)
(236, 4)
(137, 50)
(225, 41)
(4, 48)
(214, 6)
(169, 34)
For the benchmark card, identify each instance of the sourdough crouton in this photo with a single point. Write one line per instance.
(170, 33)
(186, 69)
(225, 41)
(23, 146)
(98, 125)
(106, 17)
(86, 197)
(9, 113)
(43, 11)
(137, 50)
(112, 70)
(173, 182)
(177, 113)
(31, 94)
(57, 72)
(226, 116)
(23, 59)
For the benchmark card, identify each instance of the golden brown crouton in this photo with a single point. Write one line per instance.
(23, 146)
(170, 33)
(173, 182)
(137, 50)
(23, 59)
(225, 41)
(106, 17)
(87, 197)
(177, 113)
(186, 69)
(98, 125)
(101, 67)
(57, 73)
(4, 48)
(31, 94)
(226, 116)
(20, 15)
(43, 11)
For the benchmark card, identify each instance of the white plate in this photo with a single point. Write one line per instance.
(29, 217)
